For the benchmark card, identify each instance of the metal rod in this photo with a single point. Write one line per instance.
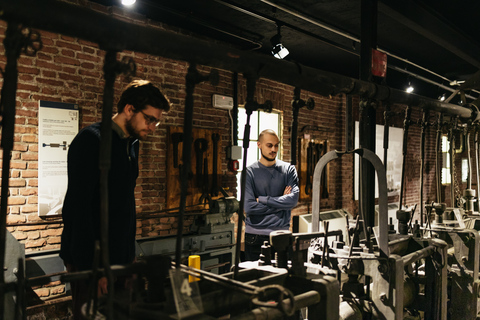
(190, 82)
(249, 108)
(102, 28)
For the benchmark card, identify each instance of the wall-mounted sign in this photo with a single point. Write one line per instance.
(57, 126)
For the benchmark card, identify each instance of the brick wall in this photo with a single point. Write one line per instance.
(70, 70)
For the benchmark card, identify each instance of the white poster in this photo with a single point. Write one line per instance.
(394, 158)
(57, 126)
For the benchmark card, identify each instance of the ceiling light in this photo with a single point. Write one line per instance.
(410, 88)
(278, 50)
(128, 2)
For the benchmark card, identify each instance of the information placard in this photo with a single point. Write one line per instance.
(57, 126)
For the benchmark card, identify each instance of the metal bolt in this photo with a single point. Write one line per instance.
(383, 297)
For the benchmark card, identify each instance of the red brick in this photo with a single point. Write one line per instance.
(15, 219)
(66, 60)
(31, 227)
(29, 174)
(29, 208)
(12, 201)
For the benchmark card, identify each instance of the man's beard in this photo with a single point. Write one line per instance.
(132, 131)
(267, 158)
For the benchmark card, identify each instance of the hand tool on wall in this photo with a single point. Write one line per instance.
(308, 182)
(205, 197)
(200, 145)
(176, 137)
(318, 153)
(215, 139)
(324, 180)
(297, 103)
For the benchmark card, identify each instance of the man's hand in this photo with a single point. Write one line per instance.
(287, 190)
(102, 286)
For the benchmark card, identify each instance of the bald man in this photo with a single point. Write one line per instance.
(271, 192)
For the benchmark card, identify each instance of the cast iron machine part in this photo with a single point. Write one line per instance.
(205, 197)
(201, 146)
(250, 105)
(297, 104)
(215, 189)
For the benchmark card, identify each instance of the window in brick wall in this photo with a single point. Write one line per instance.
(259, 121)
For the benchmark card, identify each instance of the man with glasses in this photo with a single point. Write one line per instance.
(139, 112)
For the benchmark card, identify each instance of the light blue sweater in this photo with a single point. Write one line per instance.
(272, 211)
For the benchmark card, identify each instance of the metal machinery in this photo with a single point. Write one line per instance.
(387, 276)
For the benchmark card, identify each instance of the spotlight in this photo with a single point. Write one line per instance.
(442, 97)
(278, 50)
(128, 2)
(410, 88)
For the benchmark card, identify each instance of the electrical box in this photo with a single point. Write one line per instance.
(222, 102)
(234, 152)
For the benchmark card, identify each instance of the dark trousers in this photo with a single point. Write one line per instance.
(253, 244)
(81, 292)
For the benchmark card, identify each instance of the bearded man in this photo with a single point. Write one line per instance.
(139, 112)
(271, 192)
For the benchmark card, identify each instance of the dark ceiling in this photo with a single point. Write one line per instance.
(430, 43)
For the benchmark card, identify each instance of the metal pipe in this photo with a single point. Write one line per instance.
(469, 160)
(452, 168)
(417, 255)
(13, 44)
(249, 108)
(102, 29)
(477, 162)
(438, 153)
(190, 82)
(406, 125)
(422, 159)
(293, 140)
(109, 69)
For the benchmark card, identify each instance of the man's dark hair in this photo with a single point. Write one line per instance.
(140, 93)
